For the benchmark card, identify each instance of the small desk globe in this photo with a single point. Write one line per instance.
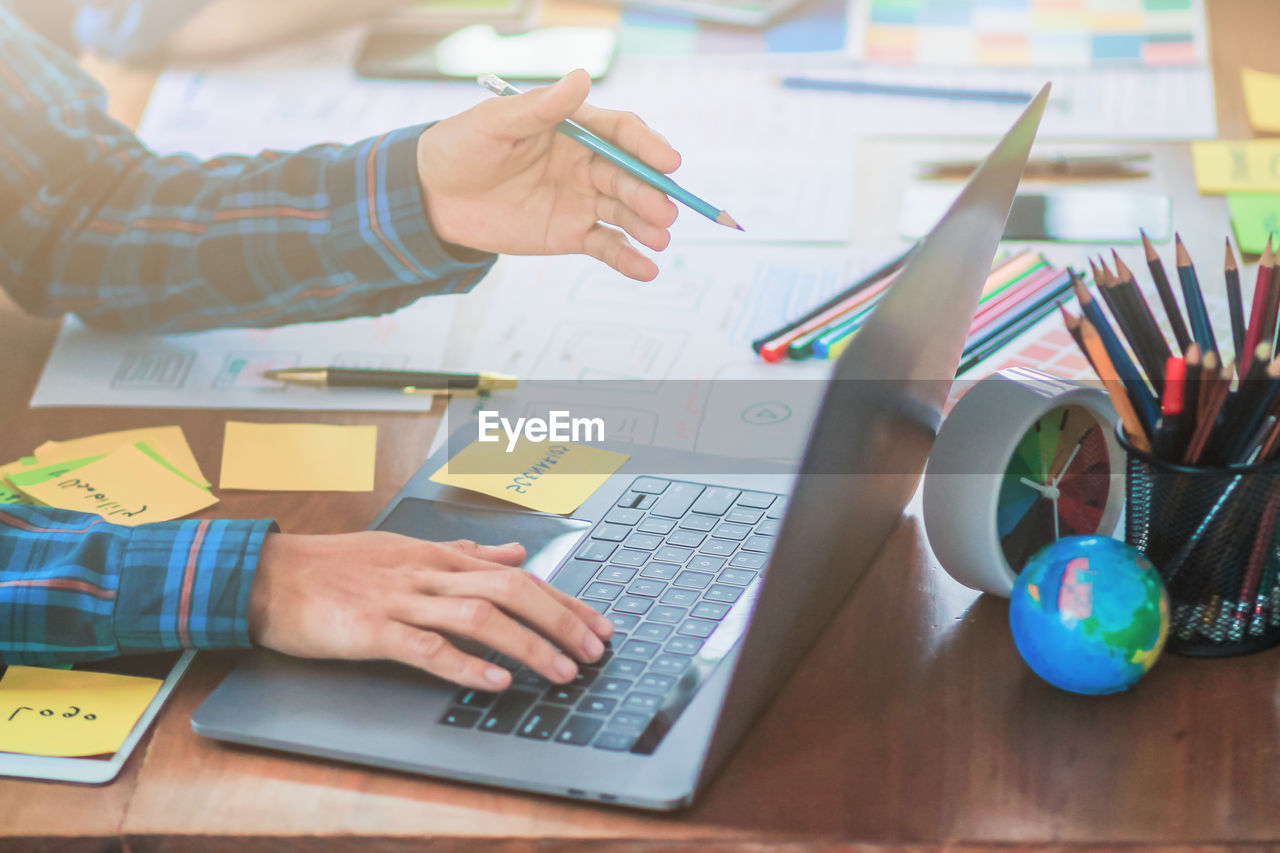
(1089, 614)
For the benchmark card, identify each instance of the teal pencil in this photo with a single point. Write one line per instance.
(622, 159)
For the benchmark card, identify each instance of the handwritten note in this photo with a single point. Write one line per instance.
(1262, 99)
(9, 494)
(127, 486)
(69, 713)
(299, 457)
(169, 441)
(1224, 166)
(1254, 217)
(546, 477)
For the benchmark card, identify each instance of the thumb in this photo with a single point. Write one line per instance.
(540, 110)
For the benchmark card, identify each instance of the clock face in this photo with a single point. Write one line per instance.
(1057, 484)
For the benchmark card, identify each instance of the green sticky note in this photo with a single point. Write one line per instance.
(46, 473)
(154, 454)
(1254, 217)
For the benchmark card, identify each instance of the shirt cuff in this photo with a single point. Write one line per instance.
(395, 222)
(186, 585)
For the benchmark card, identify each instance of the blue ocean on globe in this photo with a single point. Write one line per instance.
(1089, 614)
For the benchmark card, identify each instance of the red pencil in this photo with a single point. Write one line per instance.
(1257, 315)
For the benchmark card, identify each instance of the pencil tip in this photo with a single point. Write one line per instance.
(728, 221)
(1184, 259)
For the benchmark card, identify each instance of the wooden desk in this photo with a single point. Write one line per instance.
(912, 725)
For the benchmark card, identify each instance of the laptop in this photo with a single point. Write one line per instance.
(717, 583)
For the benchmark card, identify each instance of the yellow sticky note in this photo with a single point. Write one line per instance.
(1224, 166)
(1262, 99)
(9, 494)
(299, 457)
(169, 441)
(547, 477)
(68, 713)
(127, 486)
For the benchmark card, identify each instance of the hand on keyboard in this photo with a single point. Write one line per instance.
(371, 595)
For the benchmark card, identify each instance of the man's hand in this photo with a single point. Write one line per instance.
(372, 595)
(500, 178)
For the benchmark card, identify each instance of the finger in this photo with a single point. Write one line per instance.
(652, 204)
(629, 132)
(614, 212)
(430, 651)
(480, 619)
(541, 109)
(524, 597)
(596, 621)
(610, 246)
(511, 554)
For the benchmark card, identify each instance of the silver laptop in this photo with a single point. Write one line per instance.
(718, 583)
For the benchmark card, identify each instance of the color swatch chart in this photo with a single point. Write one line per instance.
(1023, 33)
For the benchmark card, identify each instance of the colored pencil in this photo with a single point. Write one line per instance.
(1201, 328)
(1173, 404)
(1167, 299)
(1220, 388)
(1232, 274)
(1129, 319)
(867, 87)
(1141, 308)
(1143, 400)
(1261, 290)
(1134, 428)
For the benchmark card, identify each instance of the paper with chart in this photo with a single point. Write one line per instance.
(668, 363)
(223, 369)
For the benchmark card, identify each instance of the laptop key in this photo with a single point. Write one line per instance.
(573, 576)
(606, 591)
(652, 631)
(645, 502)
(702, 523)
(596, 551)
(614, 741)
(710, 610)
(756, 500)
(721, 593)
(620, 515)
(611, 686)
(639, 649)
(746, 560)
(623, 621)
(660, 526)
(562, 695)
(715, 501)
(630, 721)
(686, 538)
(669, 554)
(586, 675)
(632, 604)
(667, 613)
(644, 541)
(642, 702)
(769, 527)
(617, 574)
(662, 571)
(727, 530)
(743, 515)
(601, 607)
(655, 683)
(579, 730)
(694, 580)
(475, 698)
(670, 663)
(630, 558)
(705, 563)
(737, 577)
(647, 587)
(529, 678)
(624, 668)
(682, 597)
(462, 718)
(676, 500)
(683, 646)
(507, 711)
(776, 510)
(697, 628)
(542, 722)
(650, 485)
(597, 705)
(719, 547)
(763, 544)
(611, 532)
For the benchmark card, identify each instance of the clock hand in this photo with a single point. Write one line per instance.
(1065, 465)
(1048, 490)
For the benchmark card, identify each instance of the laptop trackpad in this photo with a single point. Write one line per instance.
(546, 538)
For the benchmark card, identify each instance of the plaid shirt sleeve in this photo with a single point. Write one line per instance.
(94, 223)
(76, 588)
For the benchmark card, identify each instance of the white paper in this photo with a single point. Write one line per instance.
(223, 369)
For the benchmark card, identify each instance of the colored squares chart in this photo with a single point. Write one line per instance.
(1033, 33)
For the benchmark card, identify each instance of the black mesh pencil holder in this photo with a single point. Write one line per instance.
(1213, 534)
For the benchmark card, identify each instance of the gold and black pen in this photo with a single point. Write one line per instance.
(404, 381)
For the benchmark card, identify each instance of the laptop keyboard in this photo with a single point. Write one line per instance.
(675, 567)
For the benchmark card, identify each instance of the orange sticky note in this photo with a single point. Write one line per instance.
(60, 712)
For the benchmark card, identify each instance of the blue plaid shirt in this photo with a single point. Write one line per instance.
(93, 223)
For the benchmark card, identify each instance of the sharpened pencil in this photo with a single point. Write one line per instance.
(1143, 400)
(1167, 299)
(1232, 274)
(1141, 307)
(1261, 290)
(1201, 328)
(1135, 430)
